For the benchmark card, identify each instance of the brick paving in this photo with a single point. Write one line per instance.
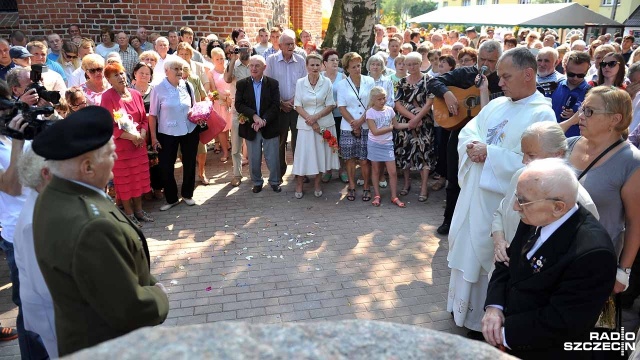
(271, 258)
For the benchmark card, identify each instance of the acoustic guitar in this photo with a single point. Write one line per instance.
(468, 107)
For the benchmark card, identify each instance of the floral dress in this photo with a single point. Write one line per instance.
(414, 149)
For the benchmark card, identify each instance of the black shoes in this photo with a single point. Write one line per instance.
(256, 189)
(276, 188)
(444, 228)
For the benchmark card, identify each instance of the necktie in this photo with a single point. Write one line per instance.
(532, 240)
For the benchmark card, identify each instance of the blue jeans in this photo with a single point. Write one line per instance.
(31, 346)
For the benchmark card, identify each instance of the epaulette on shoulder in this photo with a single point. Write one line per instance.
(92, 209)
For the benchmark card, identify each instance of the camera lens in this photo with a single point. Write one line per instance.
(236, 50)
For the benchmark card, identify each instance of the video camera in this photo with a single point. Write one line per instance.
(9, 109)
(36, 76)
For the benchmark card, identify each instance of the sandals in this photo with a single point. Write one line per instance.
(366, 195)
(224, 159)
(423, 198)
(217, 150)
(398, 202)
(144, 216)
(344, 178)
(204, 180)
(405, 192)
(376, 201)
(351, 194)
(134, 220)
(326, 177)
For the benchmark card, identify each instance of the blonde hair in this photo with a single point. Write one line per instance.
(148, 53)
(92, 60)
(217, 51)
(184, 46)
(376, 91)
(616, 102)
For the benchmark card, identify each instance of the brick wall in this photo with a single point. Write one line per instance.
(39, 17)
(307, 15)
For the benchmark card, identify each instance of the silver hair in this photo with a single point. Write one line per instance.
(414, 55)
(633, 68)
(578, 43)
(174, 61)
(521, 58)
(287, 33)
(549, 135)
(556, 179)
(259, 58)
(30, 167)
(491, 46)
(549, 50)
(376, 58)
(69, 168)
(162, 39)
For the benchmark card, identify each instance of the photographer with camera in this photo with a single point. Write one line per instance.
(28, 94)
(12, 199)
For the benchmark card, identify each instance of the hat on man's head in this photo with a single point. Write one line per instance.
(491, 28)
(470, 29)
(85, 130)
(19, 52)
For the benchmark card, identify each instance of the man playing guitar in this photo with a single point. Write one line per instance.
(464, 77)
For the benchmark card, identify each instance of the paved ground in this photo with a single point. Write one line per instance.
(272, 258)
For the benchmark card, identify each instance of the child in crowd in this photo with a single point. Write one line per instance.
(381, 120)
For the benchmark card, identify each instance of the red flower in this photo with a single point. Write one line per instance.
(326, 135)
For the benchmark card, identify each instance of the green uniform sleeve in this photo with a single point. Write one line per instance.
(111, 272)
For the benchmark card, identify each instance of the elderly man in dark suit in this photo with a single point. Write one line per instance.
(258, 99)
(94, 261)
(561, 270)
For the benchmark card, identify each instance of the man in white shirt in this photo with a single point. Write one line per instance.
(561, 271)
(381, 42)
(162, 48)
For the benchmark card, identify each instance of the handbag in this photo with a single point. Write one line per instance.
(210, 122)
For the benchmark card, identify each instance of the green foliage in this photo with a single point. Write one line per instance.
(397, 12)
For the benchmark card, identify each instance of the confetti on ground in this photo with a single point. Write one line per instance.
(208, 289)
(310, 234)
(249, 257)
(181, 267)
(269, 240)
(174, 282)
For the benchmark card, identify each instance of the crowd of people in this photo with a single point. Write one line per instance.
(534, 241)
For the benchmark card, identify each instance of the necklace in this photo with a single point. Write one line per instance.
(314, 83)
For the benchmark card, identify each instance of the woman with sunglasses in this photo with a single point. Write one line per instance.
(607, 167)
(68, 58)
(611, 71)
(96, 85)
(78, 76)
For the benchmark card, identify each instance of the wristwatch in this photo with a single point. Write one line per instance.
(626, 270)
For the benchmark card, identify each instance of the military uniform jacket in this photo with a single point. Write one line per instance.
(96, 265)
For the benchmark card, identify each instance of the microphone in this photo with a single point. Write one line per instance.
(483, 69)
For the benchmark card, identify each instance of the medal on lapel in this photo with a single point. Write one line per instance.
(537, 263)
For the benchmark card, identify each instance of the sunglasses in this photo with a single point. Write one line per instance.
(71, 56)
(579, 76)
(78, 105)
(96, 70)
(609, 63)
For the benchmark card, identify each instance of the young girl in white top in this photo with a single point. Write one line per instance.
(381, 121)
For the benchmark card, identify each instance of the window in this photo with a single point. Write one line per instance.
(525, 1)
(8, 5)
(495, 2)
(445, 3)
(609, 2)
(466, 2)
(481, 2)
(568, 1)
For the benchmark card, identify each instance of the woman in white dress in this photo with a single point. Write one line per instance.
(314, 103)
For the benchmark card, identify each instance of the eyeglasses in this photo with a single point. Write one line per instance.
(609, 63)
(579, 76)
(71, 56)
(523, 204)
(78, 105)
(96, 70)
(467, 61)
(588, 112)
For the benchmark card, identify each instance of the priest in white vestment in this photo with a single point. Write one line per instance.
(489, 150)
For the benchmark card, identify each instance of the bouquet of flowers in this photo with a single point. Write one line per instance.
(328, 137)
(243, 119)
(125, 122)
(200, 113)
(213, 95)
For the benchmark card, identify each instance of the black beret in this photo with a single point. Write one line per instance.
(83, 131)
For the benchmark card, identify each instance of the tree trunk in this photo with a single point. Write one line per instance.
(351, 27)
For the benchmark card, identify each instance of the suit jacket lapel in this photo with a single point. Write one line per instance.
(552, 249)
(263, 96)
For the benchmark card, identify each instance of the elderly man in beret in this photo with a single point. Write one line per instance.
(93, 259)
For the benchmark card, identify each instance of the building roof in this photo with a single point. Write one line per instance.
(563, 15)
(634, 19)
